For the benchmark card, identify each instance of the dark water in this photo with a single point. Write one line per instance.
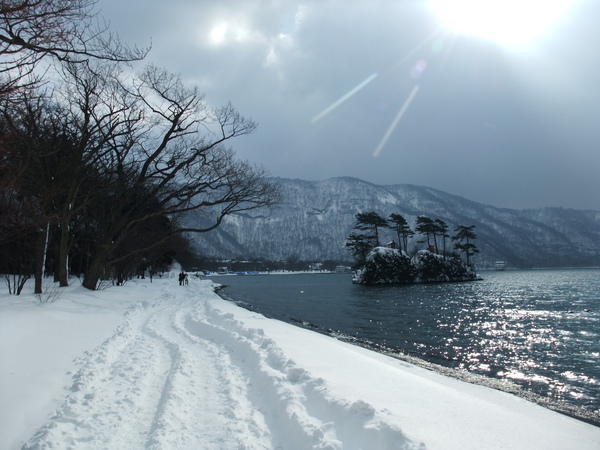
(538, 329)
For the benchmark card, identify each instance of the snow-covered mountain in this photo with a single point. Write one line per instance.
(315, 217)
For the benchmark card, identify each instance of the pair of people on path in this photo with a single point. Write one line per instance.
(183, 278)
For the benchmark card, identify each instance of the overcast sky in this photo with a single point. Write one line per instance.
(395, 91)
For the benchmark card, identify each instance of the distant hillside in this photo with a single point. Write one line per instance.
(315, 217)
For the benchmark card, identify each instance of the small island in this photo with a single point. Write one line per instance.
(391, 264)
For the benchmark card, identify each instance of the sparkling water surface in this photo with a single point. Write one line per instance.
(539, 329)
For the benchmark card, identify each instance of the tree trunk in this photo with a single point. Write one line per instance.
(92, 275)
(63, 254)
(95, 270)
(54, 244)
(41, 250)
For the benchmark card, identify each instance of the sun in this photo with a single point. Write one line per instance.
(508, 22)
(217, 34)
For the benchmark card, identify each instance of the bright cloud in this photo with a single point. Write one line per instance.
(217, 34)
(510, 22)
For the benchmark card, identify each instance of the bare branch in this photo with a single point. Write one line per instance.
(64, 30)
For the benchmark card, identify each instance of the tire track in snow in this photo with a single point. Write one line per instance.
(203, 403)
(114, 395)
(297, 406)
(154, 385)
(178, 373)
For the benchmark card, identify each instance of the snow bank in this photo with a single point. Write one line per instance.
(167, 367)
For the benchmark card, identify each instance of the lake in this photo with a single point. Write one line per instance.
(535, 331)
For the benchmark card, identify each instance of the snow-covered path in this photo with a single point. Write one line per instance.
(180, 374)
(155, 384)
(187, 370)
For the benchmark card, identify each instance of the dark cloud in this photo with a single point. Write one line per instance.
(508, 127)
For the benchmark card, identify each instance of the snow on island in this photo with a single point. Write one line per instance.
(162, 366)
(384, 265)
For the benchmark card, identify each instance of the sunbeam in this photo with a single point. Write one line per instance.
(397, 120)
(372, 77)
(342, 99)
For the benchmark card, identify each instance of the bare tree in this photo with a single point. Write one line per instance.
(172, 160)
(17, 240)
(52, 154)
(33, 31)
(116, 155)
(65, 30)
(54, 148)
(26, 195)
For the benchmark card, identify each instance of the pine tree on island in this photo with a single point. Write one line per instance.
(463, 236)
(403, 232)
(376, 264)
(371, 222)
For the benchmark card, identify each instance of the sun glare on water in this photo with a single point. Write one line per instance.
(508, 22)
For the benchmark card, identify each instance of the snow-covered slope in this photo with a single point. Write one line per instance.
(314, 219)
(183, 369)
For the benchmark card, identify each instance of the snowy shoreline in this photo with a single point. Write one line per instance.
(583, 414)
(163, 366)
(569, 410)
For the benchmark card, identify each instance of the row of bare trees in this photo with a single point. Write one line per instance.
(99, 165)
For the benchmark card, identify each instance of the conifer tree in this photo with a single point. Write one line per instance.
(426, 226)
(463, 235)
(403, 231)
(360, 245)
(441, 228)
(371, 222)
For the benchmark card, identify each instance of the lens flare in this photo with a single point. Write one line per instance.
(396, 121)
(343, 99)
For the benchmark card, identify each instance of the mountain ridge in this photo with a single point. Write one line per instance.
(314, 218)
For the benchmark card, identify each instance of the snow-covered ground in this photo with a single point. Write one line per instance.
(168, 367)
